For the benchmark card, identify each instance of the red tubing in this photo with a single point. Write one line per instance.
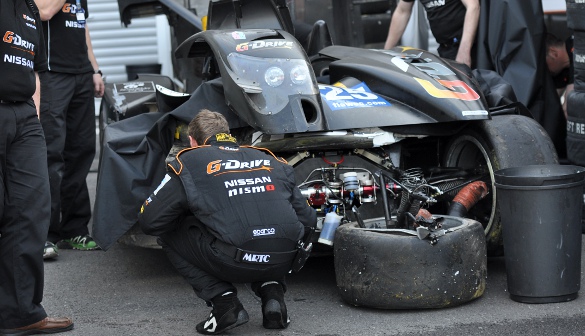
(471, 194)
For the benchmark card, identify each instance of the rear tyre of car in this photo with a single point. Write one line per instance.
(504, 141)
(393, 269)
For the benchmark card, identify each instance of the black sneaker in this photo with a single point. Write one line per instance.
(51, 251)
(83, 243)
(227, 313)
(274, 314)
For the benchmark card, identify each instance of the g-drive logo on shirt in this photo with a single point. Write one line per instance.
(16, 40)
(69, 8)
(73, 9)
(18, 43)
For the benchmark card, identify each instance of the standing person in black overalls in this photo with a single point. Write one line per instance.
(68, 119)
(24, 188)
(453, 24)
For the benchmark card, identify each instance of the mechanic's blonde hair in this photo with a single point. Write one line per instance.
(206, 124)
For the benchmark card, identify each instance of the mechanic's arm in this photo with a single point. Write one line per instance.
(469, 31)
(162, 211)
(398, 23)
(37, 95)
(48, 8)
(306, 215)
(98, 81)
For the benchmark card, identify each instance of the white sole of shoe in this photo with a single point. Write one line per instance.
(50, 254)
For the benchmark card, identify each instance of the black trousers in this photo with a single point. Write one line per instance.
(68, 119)
(192, 252)
(24, 215)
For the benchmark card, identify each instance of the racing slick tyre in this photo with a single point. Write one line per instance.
(504, 141)
(394, 269)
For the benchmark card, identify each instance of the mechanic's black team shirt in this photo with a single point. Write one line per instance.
(445, 19)
(22, 49)
(65, 38)
(246, 197)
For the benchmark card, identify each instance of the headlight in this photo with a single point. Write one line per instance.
(270, 81)
(299, 75)
(274, 76)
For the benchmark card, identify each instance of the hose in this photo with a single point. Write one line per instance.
(467, 197)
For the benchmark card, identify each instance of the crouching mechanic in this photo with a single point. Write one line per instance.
(227, 214)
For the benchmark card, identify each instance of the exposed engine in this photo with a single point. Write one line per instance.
(338, 188)
(350, 186)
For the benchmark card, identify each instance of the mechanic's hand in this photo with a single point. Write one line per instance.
(464, 58)
(98, 85)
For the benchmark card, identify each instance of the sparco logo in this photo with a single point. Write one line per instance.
(579, 58)
(259, 258)
(264, 232)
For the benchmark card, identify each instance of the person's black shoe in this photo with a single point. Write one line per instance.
(227, 313)
(274, 314)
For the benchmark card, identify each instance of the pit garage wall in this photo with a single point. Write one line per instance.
(146, 41)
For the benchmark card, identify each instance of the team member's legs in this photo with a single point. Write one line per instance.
(78, 156)
(24, 223)
(67, 116)
(56, 89)
(274, 313)
(227, 310)
(189, 251)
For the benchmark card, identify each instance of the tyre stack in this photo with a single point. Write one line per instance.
(576, 99)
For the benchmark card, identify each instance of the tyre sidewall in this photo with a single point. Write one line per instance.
(508, 141)
(392, 271)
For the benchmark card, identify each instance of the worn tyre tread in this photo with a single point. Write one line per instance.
(393, 271)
